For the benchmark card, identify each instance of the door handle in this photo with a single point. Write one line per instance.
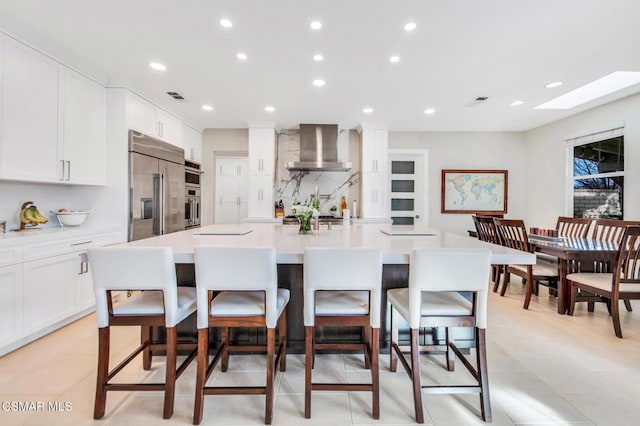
(61, 169)
(417, 216)
(68, 170)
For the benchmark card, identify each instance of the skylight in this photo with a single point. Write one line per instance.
(603, 86)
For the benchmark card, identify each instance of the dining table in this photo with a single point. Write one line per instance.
(575, 255)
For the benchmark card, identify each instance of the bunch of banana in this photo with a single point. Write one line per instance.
(30, 216)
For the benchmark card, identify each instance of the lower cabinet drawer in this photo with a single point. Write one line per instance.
(10, 255)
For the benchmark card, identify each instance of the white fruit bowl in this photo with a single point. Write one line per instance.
(71, 218)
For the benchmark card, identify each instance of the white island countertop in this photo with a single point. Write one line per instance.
(290, 245)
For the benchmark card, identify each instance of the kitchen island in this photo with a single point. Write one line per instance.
(290, 246)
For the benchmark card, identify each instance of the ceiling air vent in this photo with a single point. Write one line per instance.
(482, 98)
(175, 95)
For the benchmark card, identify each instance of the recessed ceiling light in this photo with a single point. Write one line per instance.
(207, 107)
(318, 57)
(517, 103)
(429, 111)
(554, 84)
(367, 110)
(410, 26)
(158, 66)
(315, 25)
(242, 56)
(394, 59)
(319, 83)
(269, 108)
(226, 23)
(601, 87)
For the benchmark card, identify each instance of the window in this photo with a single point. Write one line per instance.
(598, 177)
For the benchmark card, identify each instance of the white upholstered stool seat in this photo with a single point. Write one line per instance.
(230, 303)
(157, 301)
(245, 281)
(436, 276)
(432, 303)
(342, 288)
(342, 302)
(150, 302)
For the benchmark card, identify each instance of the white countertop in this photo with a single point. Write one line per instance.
(31, 235)
(290, 245)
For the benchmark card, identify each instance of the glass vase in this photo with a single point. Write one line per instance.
(305, 225)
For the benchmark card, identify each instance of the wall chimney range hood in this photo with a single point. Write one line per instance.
(318, 150)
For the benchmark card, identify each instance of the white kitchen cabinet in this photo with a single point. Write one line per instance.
(146, 118)
(49, 291)
(232, 189)
(10, 304)
(30, 139)
(262, 148)
(192, 144)
(375, 173)
(84, 147)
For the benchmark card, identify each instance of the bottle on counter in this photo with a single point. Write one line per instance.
(343, 205)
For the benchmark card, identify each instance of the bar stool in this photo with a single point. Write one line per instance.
(342, 287)
(160, 303)
(432, 300)
(249, 297)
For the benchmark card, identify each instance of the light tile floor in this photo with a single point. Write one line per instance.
(543, 369)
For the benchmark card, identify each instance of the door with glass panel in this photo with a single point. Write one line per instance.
(407, 176)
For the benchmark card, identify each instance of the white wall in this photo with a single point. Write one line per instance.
(217, 142)
(545, 150)
(45, 197)
(467, 150)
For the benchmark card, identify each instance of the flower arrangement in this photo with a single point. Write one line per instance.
(304, 213)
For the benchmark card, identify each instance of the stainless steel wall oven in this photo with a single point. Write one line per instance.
(192, 198)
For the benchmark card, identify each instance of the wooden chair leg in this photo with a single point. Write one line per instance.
(366, 338)
(505, 281)
(393, 361)
(103, 372)
(308, 362)
(145, 339)
(608, 303)
(224, 359)
(271, 345)
(375, 372)
(573, 295)
(282, 330)
(536, 287)
(483, 378)
(591, 306)
(528, 289)
(415, 375)
(615, 315)
(170, 380)
(201, 372)
(451, 356)
(627, 304)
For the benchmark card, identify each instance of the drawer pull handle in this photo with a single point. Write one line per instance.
(79, 244)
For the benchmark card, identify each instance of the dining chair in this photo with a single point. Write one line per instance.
(436, 276)
(342, 288)
(486, 230)
(246, 282)
(574, 227)
(623, 283)
(513, 234)
(159, 303)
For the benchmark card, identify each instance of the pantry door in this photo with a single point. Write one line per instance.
(408, 182)
(232, 189)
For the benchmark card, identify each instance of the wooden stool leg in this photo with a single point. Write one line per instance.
(282, 329)
(415, 375)
(103, 372)
(224, 359)
(271, 345)
(145, 339)
(366, 338)
(170, 383)
(627, 304)
(375, 372)
(308, 361)
(201, 372)
(451, 356)
(481, 354)
(393, 361)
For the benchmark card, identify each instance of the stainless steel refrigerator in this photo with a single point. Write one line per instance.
(156, 182)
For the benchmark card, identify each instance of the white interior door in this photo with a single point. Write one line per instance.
(408, 183)
(232, 188)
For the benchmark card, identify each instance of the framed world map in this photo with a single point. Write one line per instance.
(474, 191)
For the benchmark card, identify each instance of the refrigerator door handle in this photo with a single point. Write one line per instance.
(157, 209)
(162, 204)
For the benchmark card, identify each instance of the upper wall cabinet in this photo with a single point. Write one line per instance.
(52, 120)
(192, 144)
(145, 117)
(262, 148)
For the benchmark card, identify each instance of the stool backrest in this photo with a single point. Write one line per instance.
(342, 269)
(236, 269)
(134, 268)
(441, 270)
